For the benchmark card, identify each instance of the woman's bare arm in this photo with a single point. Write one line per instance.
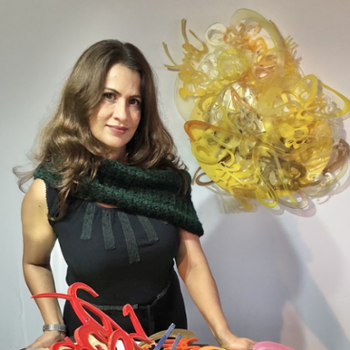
(38, 242)
(195, 272)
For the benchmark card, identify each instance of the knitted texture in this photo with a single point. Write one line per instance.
(151, 193)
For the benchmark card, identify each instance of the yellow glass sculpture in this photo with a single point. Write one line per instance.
(258, 127)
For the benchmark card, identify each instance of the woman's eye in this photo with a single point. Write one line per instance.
(109, 96)
(135, 102)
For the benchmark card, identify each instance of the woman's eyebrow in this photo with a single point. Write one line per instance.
(112, 90)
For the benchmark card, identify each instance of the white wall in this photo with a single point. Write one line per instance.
(284, 276)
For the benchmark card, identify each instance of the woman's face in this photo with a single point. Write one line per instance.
(118, 115)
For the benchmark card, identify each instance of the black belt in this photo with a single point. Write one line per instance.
(135, 306)
(148, 307)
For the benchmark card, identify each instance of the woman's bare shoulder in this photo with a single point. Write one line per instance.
(36, 192)
(34, 202)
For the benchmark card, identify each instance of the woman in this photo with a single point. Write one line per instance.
(110, 188)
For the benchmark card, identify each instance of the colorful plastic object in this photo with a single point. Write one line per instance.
(258, 128)
(268, 345)
(108, 333)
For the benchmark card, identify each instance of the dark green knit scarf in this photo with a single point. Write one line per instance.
(151, 193)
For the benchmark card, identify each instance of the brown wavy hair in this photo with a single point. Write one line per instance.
(66, 142)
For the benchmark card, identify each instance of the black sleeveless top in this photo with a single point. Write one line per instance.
(125, 258)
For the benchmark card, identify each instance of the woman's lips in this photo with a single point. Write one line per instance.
(119, 130)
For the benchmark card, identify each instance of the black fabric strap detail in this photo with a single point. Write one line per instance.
(107, 230)
(87, 222)
(130, 239)
(149, 229)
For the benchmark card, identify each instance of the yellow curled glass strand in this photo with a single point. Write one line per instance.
(259, 128)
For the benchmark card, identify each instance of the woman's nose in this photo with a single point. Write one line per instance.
(120, 110)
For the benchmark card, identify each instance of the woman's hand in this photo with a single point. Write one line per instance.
(231, 341)
(47, 339)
